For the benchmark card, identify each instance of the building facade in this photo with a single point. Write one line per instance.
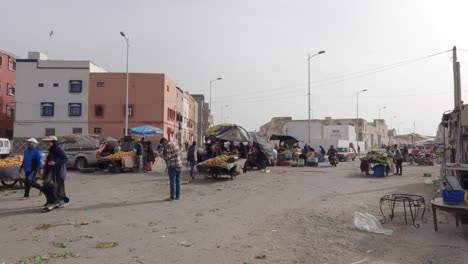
(52, 96)
(7, 93)
(369, 134)
(153, 100)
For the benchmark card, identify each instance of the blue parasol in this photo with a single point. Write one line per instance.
(146, 130)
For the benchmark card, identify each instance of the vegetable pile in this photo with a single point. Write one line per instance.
(374, 156)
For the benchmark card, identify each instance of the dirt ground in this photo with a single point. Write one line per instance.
(290, 215)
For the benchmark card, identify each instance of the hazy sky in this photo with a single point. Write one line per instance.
(259, 48)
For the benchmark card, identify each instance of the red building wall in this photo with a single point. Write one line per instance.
(7, 101)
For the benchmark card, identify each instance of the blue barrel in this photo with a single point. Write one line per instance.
(379, 170)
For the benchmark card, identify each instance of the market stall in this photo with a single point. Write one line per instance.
(9, 171)
(378, 162)
(120, 162)
(222, 165)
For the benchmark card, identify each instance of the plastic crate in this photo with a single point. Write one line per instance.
(379, 170)
(453, 197)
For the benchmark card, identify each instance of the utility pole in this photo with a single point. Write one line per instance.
(456, 80)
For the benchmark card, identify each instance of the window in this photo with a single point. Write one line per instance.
(56, 85)
(99, 110)
(1, 61)
(97, 130)
(77, 130)
(12, 64)
(40, 85)
(76, 86)
(10, 111)
(74, 109)
(11, 89)
(50, 131)
(335, 131)
(167, 88)
(100, 84)
(47, 109)
(0, 87)
(130, 111)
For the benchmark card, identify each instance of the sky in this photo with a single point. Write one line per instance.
(260, 49)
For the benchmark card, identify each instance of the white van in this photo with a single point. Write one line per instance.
(5, 148)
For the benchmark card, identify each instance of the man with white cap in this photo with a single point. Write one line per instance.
(32, 165)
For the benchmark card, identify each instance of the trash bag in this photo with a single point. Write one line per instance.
(195, 170)
(369, 223)
(159, 165)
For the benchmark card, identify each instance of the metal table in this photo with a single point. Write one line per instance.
(414, 202)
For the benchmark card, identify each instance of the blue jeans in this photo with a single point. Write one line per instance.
(174, 180)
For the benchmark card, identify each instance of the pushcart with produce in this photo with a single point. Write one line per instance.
(9, 171)
(120, 161)
(222, 165)
(374, 160)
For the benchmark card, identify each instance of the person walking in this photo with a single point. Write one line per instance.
(139, 155)
(32, 165)
(54, 175)
(150, 157)
(398, 157)
(172, 157)
(192, 157)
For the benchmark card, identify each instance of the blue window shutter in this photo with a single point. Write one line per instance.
(74, 109)
(47, 109)
(76, 86)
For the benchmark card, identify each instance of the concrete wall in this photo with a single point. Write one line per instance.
(344, 132)
(29, 122)
(299, 130)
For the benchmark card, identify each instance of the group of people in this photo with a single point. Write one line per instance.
(53, 171)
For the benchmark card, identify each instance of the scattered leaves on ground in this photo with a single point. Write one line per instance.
(84, 222)
(39, 259)
(96, 221)
(59, 244)
(261, 256)
(106, 245)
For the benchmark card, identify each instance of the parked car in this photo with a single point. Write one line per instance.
(345, 154)
(82, 151)
(5, 148)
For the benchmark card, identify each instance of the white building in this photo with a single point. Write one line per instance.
(51, 96)
(320, 134)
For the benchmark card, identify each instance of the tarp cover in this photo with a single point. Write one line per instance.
(265, 146)
(235, 133)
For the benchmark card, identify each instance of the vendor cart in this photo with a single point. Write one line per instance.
(367, 164)
(117, 165)
(10, 175)
(228, 168)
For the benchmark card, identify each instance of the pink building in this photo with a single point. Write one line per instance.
(153, 100)
(7, 93)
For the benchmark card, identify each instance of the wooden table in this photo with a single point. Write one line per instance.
(438, 203)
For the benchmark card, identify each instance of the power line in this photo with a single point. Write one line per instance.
(354, 75)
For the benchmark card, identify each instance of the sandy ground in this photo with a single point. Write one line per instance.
(291, 215)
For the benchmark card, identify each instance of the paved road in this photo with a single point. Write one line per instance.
(291, 215)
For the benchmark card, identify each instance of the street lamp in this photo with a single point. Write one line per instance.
(357, 114)
(217, 79)
(308, 83)
(381, 108)
(127, 40)
(222, 108)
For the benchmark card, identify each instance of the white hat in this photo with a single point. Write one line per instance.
(50, 138)
(32, 140)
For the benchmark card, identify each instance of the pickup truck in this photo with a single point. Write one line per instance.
(345, 154)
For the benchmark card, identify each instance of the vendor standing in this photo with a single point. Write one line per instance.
(32, 165)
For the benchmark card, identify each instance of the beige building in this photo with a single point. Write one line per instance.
(374, 134)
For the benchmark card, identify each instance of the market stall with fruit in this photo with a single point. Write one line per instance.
(120, 161)
(9, 170)
(221, 165)
(378, 162)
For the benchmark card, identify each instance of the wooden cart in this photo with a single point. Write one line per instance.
(216, 171)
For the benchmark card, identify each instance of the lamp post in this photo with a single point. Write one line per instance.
(308, 85)
(127, 40)
(381, 108)
(357, 114)
(217, 79)
(222, 108)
